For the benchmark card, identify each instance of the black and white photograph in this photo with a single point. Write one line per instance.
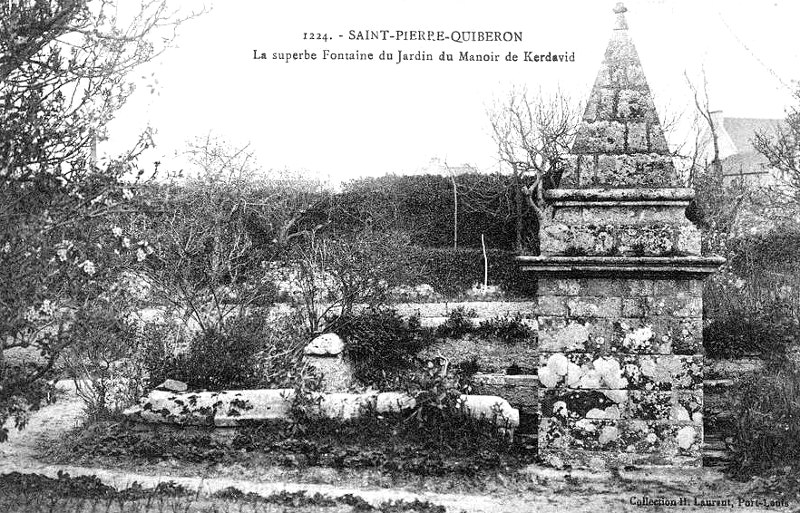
(390, 256)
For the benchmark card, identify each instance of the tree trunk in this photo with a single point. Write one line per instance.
(519, 212)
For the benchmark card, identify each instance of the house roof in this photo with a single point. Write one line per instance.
(742, 131)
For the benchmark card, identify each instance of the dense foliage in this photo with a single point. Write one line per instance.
(751, 304)
(250, 351)
(64, 73)
(767, 432)
(382, 345)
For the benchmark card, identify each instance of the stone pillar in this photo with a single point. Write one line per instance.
(620, 288)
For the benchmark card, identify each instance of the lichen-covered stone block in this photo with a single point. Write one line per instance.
(657, 141)
(646, 240)
(554, 238)
(682, 407)
(558, 334)
(551, 305)
(568, 215)
(656, 335)
(634, 76)
(670, 288)
(488, 355)
(689, 241)
(559, 286)
(603, 287)
(633, 307)
(600, 137)
(637, 137)
(613, 438)
(620, 371)
(680, 305)
(594, 306)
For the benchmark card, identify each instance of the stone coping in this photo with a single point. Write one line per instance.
(617, 266)
(230, 408)
(667, 196)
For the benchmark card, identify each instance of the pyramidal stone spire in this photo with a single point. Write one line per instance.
(620, 142)
(619, 277)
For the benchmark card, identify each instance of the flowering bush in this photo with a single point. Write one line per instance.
(103, 357)
(58, 252)
(62, 254)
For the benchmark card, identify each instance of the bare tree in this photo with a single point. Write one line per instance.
(782, 150)
(702, 105)
(716, 204)
(533, 134)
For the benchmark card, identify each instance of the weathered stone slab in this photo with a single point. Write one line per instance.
(336, 372)
(619, 214)
(478, 309)
(630, 162)
(637, 238)
(213, 408)
(666, 439)
(327, 344)
(563, 334)
(520, 391)
(489, 355)
(620, 371)
(491, 408)
(680, 305)
(551, 305)
(594, 306)
(676, 406)
(620, 287)
(173, 385)
(232, 408)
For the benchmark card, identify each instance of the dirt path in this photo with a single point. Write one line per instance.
(549, 490)
(45, 425)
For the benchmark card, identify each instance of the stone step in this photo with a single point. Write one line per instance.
(715, 451)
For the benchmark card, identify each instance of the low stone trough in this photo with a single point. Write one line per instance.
(237, 407)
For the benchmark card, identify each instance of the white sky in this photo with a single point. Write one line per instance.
(347, 119)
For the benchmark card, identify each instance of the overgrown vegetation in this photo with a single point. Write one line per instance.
(36, 493)
(430, 444)
(251, 351)
(753, 302)
(64, 74)
(105, 360)
(460, 323)
(767, 430)
(382, 345)
(752, 305)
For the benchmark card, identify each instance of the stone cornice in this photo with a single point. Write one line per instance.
(655, 197)
(618, 266)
